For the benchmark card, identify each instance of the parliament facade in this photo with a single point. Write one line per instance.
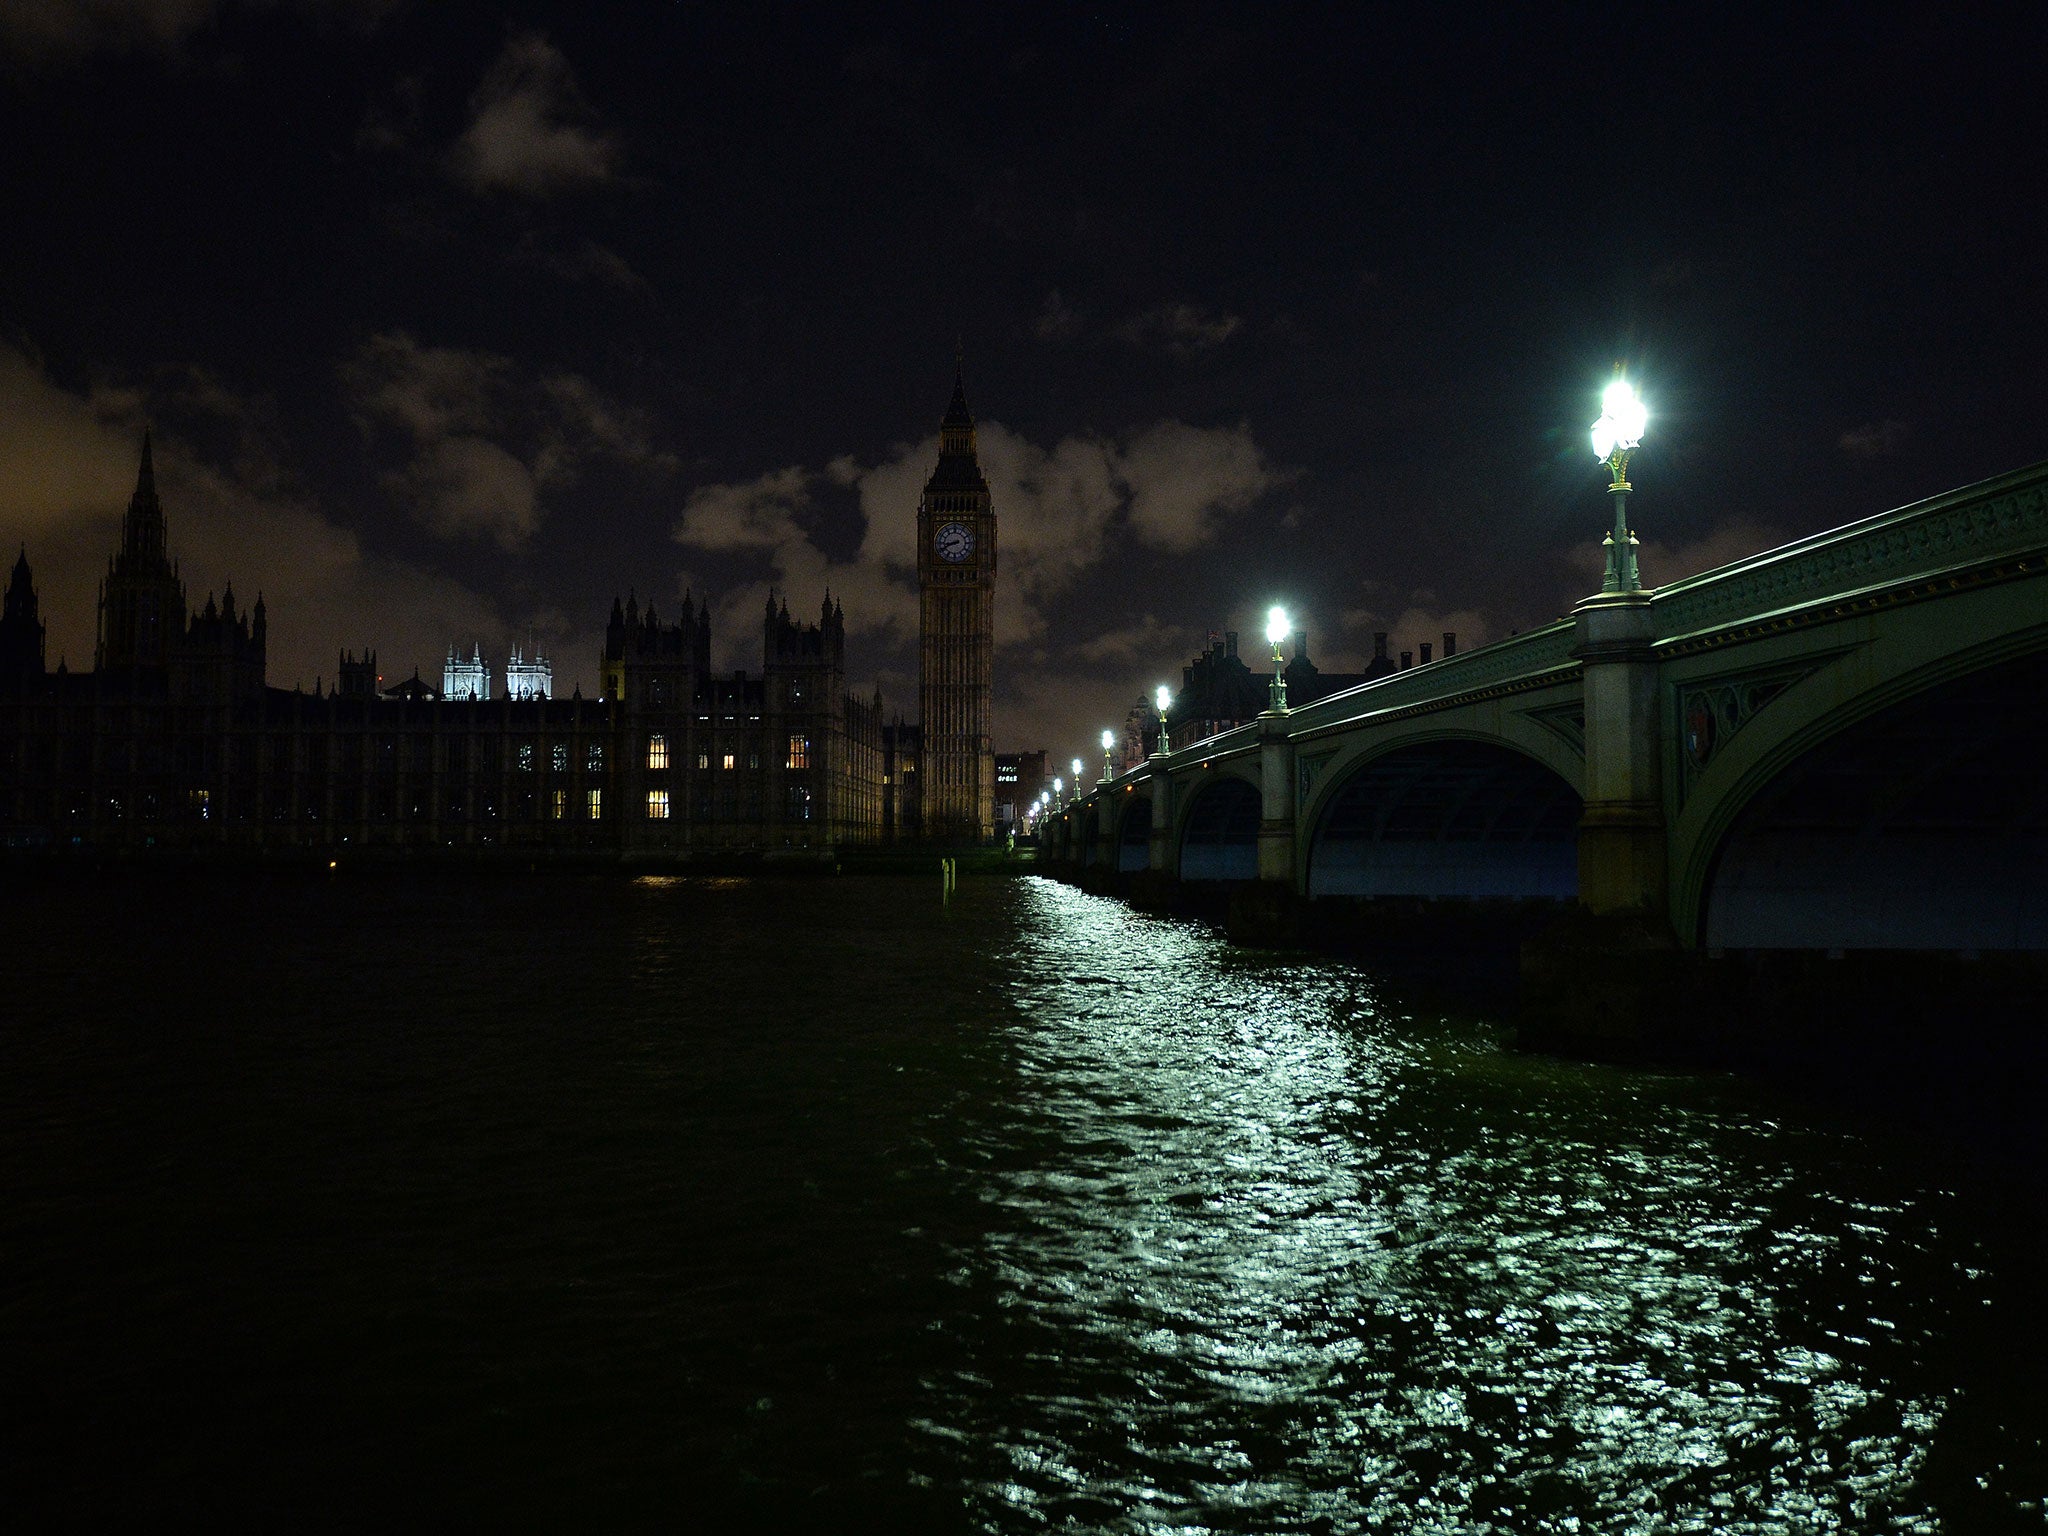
(175, 739)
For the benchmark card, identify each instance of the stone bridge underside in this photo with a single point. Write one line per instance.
(1448, 818)
(1922, 827)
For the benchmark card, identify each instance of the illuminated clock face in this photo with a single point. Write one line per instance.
(954, 542)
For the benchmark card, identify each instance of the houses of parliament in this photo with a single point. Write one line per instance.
(175, 739)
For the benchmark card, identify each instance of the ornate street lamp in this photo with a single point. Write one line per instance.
(1615, 435)
(1163, 700)
(1059, 787)
(1277, 630)
(1078, 766)
(1108, 745)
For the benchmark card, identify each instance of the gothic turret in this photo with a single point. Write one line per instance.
(142, 530)
(142, 602)
(959, 467)
(23, 635)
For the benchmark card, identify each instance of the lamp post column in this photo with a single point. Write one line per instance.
(1160, 855)
(1621, 544)
(1621, 831)
(1276, 766)
(1276, 800)
(1622, 847)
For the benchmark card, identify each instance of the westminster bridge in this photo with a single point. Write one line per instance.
(1837, 746)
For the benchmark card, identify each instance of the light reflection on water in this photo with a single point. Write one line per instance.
(1280, 1261)
(820, 1205)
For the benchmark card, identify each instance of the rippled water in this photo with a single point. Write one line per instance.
(732, 1204)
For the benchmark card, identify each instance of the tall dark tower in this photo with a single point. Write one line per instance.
(956, 579)
(142, 602)
(23, 635)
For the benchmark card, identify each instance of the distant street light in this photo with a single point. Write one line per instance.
(1108, 745)
(1615, 435)
(1163, 698)
(1078, 766)
(1058, 788)
(1277, 630)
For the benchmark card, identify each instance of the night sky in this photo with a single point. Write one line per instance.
(454, 320)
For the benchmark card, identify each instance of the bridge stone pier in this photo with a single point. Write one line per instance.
(1823, 762)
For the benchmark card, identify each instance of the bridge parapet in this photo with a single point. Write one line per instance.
(1533, 653)
(2004, 516)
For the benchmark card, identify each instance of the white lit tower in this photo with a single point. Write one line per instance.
(469, 679)
(529, 677)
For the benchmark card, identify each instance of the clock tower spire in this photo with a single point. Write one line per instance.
(956, 579)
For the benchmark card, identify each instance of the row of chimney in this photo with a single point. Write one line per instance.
(1379, 650)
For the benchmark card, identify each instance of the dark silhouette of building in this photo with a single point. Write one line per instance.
(23, 635)
(902, 783)
(1218, 690)
(174, 739)
(956, 572)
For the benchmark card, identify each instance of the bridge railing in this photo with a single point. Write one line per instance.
(2004, 516)
(1529, 654)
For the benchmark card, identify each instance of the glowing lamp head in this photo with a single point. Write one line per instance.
(1058, 785)
(1077, 770)
(1163, 698)
(1277, 626)
(1108, 740)
(1623, 416)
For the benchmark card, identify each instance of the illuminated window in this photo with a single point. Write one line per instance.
(560, 757)
(199, 800)
(593, 757)
(753, 759)
(729, 761)
(657, 751)
(559, 805)
(593, 804)
(657, 805)
(703, 759)
(526, 757)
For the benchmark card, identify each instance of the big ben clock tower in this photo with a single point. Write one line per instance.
(956, 580)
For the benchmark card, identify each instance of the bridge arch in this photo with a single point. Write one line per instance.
(1133, 848)
(1876, 809)
(1218, 833)
(1446, 815)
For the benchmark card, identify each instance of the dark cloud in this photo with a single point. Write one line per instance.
(581, 261)
(1057, 319)
(530, 131)
(1874, 439)
(1181, 329)
(56, 31)
(392, 121)
(482, 438)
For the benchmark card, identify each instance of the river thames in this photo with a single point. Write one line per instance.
(823, 1205)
